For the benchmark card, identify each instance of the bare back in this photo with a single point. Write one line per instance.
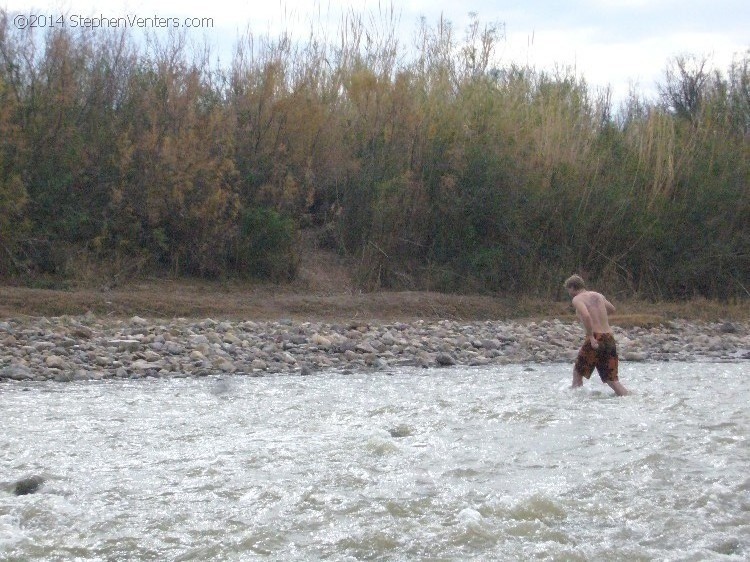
(596, 307)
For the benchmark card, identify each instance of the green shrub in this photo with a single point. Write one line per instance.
(265, 248)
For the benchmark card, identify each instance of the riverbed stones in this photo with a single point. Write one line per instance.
(90, 347)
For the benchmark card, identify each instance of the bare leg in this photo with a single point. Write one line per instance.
(577, 380)
(618, 388)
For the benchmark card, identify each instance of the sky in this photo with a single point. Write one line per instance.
(620, 44)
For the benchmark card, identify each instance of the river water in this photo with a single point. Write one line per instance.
(502, 463)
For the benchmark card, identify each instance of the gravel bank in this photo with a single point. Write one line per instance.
(93, 348)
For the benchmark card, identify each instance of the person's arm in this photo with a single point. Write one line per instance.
(609, 306)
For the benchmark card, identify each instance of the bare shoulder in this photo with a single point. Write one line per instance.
(598, 299)
(587, 297)
(578, 299)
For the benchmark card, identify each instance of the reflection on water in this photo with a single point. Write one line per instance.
(451, 464)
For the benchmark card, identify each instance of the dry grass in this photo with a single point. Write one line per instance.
(192, 299)
(169, 299)
(324, 291)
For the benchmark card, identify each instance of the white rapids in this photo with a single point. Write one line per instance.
(418, 464)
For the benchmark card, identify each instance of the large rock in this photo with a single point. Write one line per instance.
(224, 365)
(27, 486)
(138, 321)
(143, 365)
(445, 359)
(126, 344)
(365, 347)
(151, 356)
(321, 341)
(259, 364)
(54, 362)
(17, 373)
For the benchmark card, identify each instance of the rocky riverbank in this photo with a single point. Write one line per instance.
(94, 348)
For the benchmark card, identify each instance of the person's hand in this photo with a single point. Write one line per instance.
(594, 343)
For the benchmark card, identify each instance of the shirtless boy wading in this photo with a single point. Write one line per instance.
(599, 350)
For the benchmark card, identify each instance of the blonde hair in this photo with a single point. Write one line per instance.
(575, 282)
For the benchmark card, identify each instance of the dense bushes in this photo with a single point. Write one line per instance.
(265, 247)
(431, 167)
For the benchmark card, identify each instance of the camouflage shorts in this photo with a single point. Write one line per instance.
(604, 358)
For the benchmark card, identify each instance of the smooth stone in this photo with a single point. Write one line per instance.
(126, 344)
(287, 357)
(151, 356)
(28, 485)
(83, 332)
(231, 339)
(225, 365)
(321, 341)
(380, 363)
(445, 360)
(54, 362)
(142, 365)
(64, 377)
(400, 431)
(174, 348)
(365, 347)
(259, 364)
(17, 373)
